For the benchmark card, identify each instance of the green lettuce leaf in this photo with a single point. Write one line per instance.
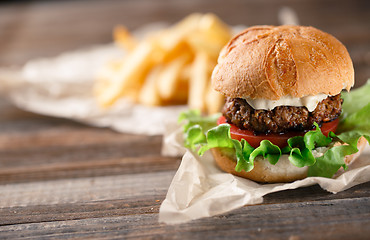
(301, 158)
(243, 151)
(328, 164)
(315, 138)
(356, 110)
(193, 117)
(218, 137)
(358, 121)
(195, 127)
(355, 100)
(300, 154)
(350, 133)
(267, 150)
(194, 136)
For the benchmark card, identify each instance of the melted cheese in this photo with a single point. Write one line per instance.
(310, 102)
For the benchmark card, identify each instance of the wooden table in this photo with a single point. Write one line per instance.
(62, 179)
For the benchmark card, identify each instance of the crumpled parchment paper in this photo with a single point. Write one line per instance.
(200, 189)
(62, 86)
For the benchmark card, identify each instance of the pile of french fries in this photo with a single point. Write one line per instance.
(168, 67)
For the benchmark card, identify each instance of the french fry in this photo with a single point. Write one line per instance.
(211, 35)
(170, 77)
(104, 76)
(198, 81)
(215, 30)
(178, 49)
(129, 79)
(188, 23)
(181, 30)
(149, 94)
(171, 66)
(214, 100)
(123, 38)
(182, 87)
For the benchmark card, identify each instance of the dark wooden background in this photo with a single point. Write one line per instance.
(43, 158)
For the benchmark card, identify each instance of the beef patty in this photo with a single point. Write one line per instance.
(282, 118)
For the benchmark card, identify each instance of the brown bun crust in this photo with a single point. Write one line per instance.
(264, 172)
(269, 62)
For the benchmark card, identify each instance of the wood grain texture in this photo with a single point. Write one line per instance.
(41, 148)
(149, 203)
(60, 179)
(284, 221)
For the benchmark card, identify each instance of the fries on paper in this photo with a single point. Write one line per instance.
(171, 66)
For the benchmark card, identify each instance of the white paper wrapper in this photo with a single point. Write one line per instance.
(199, 189)
(62, 87)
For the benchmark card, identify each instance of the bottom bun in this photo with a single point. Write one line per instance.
(263, 171)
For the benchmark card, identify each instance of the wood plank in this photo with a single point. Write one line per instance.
(72, 153)
(144, 204)
(148, 202)
(344, 219)
(64, 149)
(316, 193)
(81, 169)
(65, 152)
(84, 190)
(54, 150)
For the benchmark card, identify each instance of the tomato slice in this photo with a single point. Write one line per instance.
(275, 138)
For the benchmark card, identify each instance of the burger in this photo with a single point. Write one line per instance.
(282, 86)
